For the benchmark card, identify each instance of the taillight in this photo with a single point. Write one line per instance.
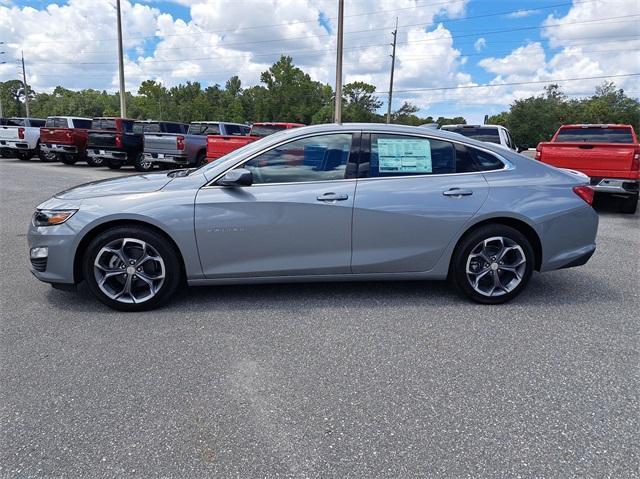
(21, 133)
(180, 142)
(635, 164)
(118, 140)
(585, 192)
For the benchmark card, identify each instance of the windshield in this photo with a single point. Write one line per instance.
(479, 133)
(265, 130)
(595, 135)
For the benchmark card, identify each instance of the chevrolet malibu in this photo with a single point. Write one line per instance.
(346, 202)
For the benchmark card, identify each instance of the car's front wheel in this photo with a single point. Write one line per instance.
(629, 205)
(94, 161)
(492, 264)
(131, 268)
(68, 159)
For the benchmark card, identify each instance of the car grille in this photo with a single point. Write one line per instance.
(39, 264)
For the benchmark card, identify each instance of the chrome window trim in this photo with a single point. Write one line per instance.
(508, 166)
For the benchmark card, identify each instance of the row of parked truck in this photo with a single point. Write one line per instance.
(115, 142)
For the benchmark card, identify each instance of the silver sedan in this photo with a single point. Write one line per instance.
(344, 202)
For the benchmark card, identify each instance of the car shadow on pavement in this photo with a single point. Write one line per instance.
(555, 288)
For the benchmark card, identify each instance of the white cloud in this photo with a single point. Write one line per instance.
(524, 60)
(521, 13)
(480, 44)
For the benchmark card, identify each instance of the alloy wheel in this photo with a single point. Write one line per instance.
(129, 270)
(496, 266)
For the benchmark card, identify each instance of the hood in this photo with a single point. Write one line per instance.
(117, 186)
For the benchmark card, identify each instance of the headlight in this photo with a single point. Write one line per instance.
(51, 217)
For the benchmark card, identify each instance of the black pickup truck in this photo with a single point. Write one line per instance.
(120, 141)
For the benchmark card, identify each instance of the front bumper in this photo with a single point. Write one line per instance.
(166, 158)
(113, 155)
(60, 243)
(58, 148)
(619, 186)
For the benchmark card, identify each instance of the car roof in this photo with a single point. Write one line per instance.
(464, 125)
(70, 117)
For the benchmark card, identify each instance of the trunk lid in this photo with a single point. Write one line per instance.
(8, 132)
(58, 136)
(590, 158)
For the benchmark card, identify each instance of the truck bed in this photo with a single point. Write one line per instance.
(218, 145)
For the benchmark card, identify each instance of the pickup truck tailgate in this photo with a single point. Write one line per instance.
(8, 132)
(591, 158)
(161, 143)
(102, 139)
(59, 136)
(218, 145)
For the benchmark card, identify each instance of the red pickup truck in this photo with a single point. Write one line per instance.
(608, 154)
(65, 137)
(219, 145)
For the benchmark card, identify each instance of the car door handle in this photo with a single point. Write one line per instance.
(457, 192)
(333, 197)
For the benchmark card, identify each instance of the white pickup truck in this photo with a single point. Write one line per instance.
(497, 134)
(21, 137)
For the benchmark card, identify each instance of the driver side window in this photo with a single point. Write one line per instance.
(317, 158)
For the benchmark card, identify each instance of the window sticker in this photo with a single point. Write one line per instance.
(404, 156)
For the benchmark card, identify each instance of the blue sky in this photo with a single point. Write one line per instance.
(440, 44)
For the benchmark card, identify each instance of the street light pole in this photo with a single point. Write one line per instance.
(123, 105)
(26, 91)
(338, 107)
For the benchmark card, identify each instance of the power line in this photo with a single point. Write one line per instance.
(361, 47)
(494, 85)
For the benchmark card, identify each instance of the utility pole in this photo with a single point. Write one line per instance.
(26, 91)
(123, 106)
(393, 66)
(338, 107)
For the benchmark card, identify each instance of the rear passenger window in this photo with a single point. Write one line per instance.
(80, 123)
(399, 155)
(233, 130)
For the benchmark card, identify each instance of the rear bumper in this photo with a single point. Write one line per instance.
(166, 158)
(15, 145)
(58, 148)
(620, 186)
(114, 155)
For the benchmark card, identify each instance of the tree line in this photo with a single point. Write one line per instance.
(287, 93)
(535, 119)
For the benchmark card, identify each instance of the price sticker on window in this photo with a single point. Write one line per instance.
(404, 156)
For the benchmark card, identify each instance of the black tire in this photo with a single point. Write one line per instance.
(68, 159)
(140, 165)
(113, 165)
(201, 159)
(47, 157)
(629, 205)
(95, 162)
(463, 254)
(24, 155)
(162, 246)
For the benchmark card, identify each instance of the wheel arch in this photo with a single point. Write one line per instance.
(522, 226)
(100, 228)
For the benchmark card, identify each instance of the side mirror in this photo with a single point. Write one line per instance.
(237, 177)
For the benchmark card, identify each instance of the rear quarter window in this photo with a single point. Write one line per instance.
(595, 135)
(81, 123)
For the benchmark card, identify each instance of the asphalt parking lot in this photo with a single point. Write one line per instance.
(321, 380)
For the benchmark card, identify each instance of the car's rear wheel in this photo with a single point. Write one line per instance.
(492, 264)
(629, 205)
(140, 164)
(94, 161)
(68, 159)
(131, 268)
(24, 155)
(201, 159)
